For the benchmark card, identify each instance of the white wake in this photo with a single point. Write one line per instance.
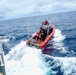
(24, 60)
(58, 41)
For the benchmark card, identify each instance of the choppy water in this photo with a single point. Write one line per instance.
(58, 56)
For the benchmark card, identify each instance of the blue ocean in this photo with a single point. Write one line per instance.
(57, 58)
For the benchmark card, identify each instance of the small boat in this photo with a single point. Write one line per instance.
(40, 39)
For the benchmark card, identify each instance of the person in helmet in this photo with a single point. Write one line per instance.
(45, 22)
(40, 35)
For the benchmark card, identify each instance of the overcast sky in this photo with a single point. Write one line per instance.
(10, 9)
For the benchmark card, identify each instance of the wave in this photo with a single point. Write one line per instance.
(61, 65)
(24, 60)
(58, 41)
(6, 38)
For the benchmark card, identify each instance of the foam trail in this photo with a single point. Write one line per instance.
(23, 60)
(58, 41)
(63, 65)
(5, 38)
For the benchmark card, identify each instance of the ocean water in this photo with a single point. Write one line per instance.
(57, 58)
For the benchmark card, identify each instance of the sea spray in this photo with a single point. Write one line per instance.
(24, 60)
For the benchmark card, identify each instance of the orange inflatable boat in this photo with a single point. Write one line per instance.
(42, 37)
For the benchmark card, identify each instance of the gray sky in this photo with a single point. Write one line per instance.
(10, 9)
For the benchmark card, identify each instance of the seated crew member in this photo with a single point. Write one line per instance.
(50, 30)
(40, 35)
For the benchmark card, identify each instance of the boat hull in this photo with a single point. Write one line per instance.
(43, 43)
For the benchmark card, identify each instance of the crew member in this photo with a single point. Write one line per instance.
(45, 22)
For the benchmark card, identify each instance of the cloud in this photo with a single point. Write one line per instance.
(15, 9)
(70, 5)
